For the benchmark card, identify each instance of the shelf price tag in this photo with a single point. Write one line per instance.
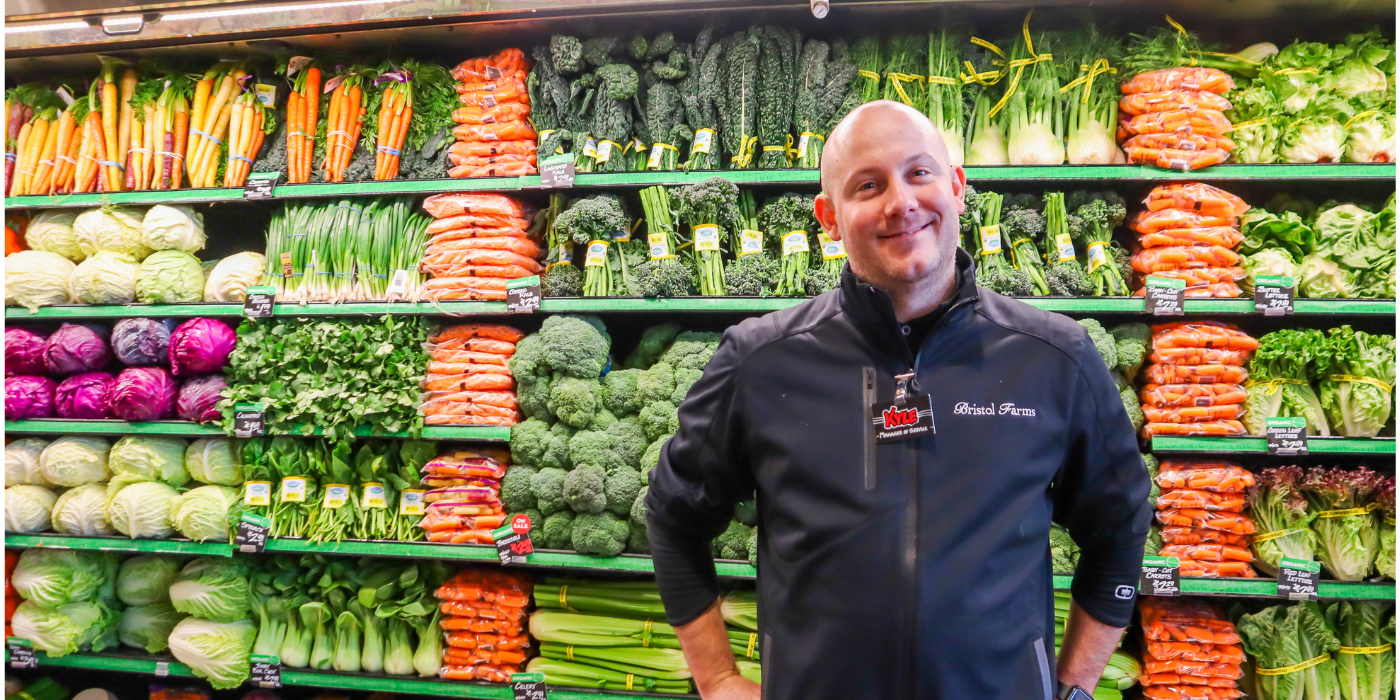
(528, 686)
(513, 544)
(266, 671)
(251, 535)
(557, 171)
(22, 653)
(1161, 576)
(523, 295)
(260, 185)
(248, 420)
(1286, 436)
(1165, 296)
(1297, 578)
(258, 302)
(162, 669)
(1273, 295)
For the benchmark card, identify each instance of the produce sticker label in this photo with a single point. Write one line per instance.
(991, 239)
(557, 171)
(1297, 578)
(660, 246)
(831, 248)
(257, 303)
(528, 686)
(654, 158)
(1065, 245)
(293, 489)
(590, 148)
(513, 544)
(795, 242)
(286, 265)
(411, 502)
(1098, 254)
(260, 185)
(1273, 295)
(266, 94)
(374, 496)
(1286, 436)
(566, 252)
(1164, 296)
(248, 420)
(21, 653)
(1161, 576)
(266, 671)
(903, 420)
(523, 295)
(802, 142)
(398, 284)
(251, 535)
(703, 139)
(257, 493)
(750, 242)
(337, 495)
(597, 255)
(605, 151)
(706, 236)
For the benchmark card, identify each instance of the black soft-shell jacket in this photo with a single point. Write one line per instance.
(913, 569)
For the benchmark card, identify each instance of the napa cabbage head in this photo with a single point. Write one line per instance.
(148, 626)
(212, 588)
(146, 579)
(142, 509)
(64, 629)
(217, 651)
(54, 577)
(207, 513)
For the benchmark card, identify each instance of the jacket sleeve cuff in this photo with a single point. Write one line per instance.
(685, 571)
(1105, 584)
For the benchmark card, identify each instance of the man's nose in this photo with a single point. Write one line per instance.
(900, 198)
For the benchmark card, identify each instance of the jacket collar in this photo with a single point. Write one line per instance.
(872, 311)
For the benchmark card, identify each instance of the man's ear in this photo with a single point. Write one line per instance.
(960, 187)
(826, 215)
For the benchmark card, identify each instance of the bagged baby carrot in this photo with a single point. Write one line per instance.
(1203, 500)
(1188, 535)
(1194, 374)
(1180, 78)
(1206, 200)
(1215, 290)
(1178, 159)
(1208, 552)
(1192, 395)
(1216, 428)
(1165, 219)
(1224, 236)
(1206, 520)
(1179, 141)
(1170, 100)
(1200, 356)
(1204, 476)
(1191, 414)
(1202, 334)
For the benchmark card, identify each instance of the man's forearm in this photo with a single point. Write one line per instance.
(706, 645)
(1087, 646)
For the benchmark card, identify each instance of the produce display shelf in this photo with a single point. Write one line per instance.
(55, 426)
(1119, 305)
(1006, 173)
(165, 666)
(1258, 445)
(118, 544)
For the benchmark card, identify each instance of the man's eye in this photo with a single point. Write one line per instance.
(865, 186)
(920, 172)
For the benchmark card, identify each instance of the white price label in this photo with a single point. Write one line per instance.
(590, 148)
(374, 496)
(1097, 257)
(411, 502)
(337, 495)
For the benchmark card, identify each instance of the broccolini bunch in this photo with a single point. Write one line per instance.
(788, 223)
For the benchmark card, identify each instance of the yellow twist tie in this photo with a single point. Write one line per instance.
(1252, 122)
(569, 652)
(1296, 71)
(646, 634)
(753, 643)
(941, 80)
(1363, 115)
(988, 46)
(563, 598)
(745, 155)
(1349, 511)
(1294, 668)
(1277, 534)
(869, 74)
(629, 681)
(898, 80)
(1274, 384)
(1360, 380)
(1366, 650)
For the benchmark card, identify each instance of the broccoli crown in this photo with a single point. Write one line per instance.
(529, 440)
(603, 534)
(691, 349)
(558, 530)
(753, 548)
(1149, 461)
(733, 543)
(562, 280)
(656, 384)
(659, 419)
(685, 378)
(1064, 553)
(533, 397)
(629, 440)
(753, 275)
(574, 346)
(536, 524)
(594, 448)
(602, 420)
(574, 400)
(516, 495)
(746, 512)
(1131, 354)
(1021, 223)
(1023, 201)
(638, 512)
(583, 489)
(528, 365)
(548, 487)
(1068, 278)
(637, 539)
(591, 218)
(652, 456)
(1103, 342)
(620, 489)
(1134, 408)
(619, 80)
(653, 343)
(668, 277)
(557, 452)
(620, 391)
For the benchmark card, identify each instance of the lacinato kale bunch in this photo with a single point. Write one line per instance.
(549, 97)
(666, 124)
(702, 93)
(663, 274)
(1024, 226)
(577, 117)
(711, 210)
(1101, 212)
(777, 80)
(1065, 275)
(993, 271)
(739, 116)
(612, 115)
(788, 222)
(600, 51)
(825, 77)
(566, 54)
(591, 223)
(753, 271)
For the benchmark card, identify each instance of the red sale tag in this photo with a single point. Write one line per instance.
(520, 523)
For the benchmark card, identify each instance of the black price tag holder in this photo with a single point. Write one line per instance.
(260, 185)
(1273, 295)
(528, 686)
(1286, 436)
(251, 535)
(557, 171)
(1164, 296)
(265, 671)
(1161, 576)
(908, 416)
(21, 653)
(258, 302)
(1297, 578)
(523, 295)
(248, 420)
(513, 543)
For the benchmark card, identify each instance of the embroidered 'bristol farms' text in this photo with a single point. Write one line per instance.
(963, 408)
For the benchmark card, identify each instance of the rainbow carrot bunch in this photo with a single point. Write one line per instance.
(394, 115)
(209, 123)
(303, 104)
(140, 156)
(113, 96)
(345, 118)
(172, 126)
(19, 112)
(249, 126)
(36, 145)
(89, 174)
(66, 152)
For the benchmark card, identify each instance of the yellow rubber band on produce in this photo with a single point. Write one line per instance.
(1360, 380)
(1349, 511)
(1277, 534)
(1295, 71)
(1363, 115)
(767, 149)
(564, 598)
(629, 681)
(1294, 668)
(569, 652)
(753, 642)
(646, 634)
(1390, 521)
(1366, 650)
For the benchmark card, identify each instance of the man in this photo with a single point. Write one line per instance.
(915, 567)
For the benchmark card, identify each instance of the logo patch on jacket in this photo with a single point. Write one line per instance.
(965, 408)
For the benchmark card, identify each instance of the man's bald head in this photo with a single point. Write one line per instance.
(851, 127)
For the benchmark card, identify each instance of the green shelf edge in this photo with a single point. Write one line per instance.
(1258, 445)
(1125, 305)
(1013, 173)
(49, 426)
(117, 544)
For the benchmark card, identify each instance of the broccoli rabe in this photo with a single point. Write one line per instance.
(583, 489)
(603, 534)
(516, 495)
(659, 419)
(574, 400)
(656, 384)
(685, 378)
(1132, 341)
(548, 486)
(629, 440)
(594, 448)
(620, 490)
(691, 350)
(575, 345)
(563, 280)
(654, 341)
(620, 391)
(733, 543)
(752, 275)
(1103, 342)
(558, 530)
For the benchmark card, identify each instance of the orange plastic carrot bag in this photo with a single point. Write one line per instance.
(1178, 141)
(465, 289)
(1192, 395)
(505, 159)
(435, 260)
(1209, 122)
(1208, 552)
(1203, 276)
(1207, 520)
(1181, 78)
(1204, 500)
(1224, 236)
(1200, 356)
(1169, 100)
(474, 420)
(1191, 414)
(1202, 334)
(493, 170)
(1186, 535)
(1152, 260)
(486, 149)
(1189, 692)
(499, 206)
(1177, 159)
(510, 88)
(1221, 477)
(1206, 200)
(519, 246)
(445, 350)
(1181, 679)
(1196, 374)
(1221, 290)
(1217, 569)
(1217, 428)
(1166, 219)
(509, 272)
(491, 67)
(1192, 651)
(505, 131)
(1192, 668)
(465, 331)
(499, 114)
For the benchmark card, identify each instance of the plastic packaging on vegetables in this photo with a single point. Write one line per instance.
(178, 227)
(82, 511)
(54, 577)
(141, 458)
(68, 628)
(170, 277)
(212, 588)
(214, 650)
(29, 397)
(214, 461)
(114, 228)
(27, 508)
(143, 393)
(34, 278)
(22, 462)
(200, 346)
(146, 579)
(202, 514)
(148, 626)
(74, 461)
(106, 277)
(199, 398)
(75, 348)
(52, 231)
(24, 351)
(142, 509)
(142, 342)
(83, 396)
(229, 280)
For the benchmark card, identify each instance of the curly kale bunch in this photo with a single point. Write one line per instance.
(595, 218)
(788, 222)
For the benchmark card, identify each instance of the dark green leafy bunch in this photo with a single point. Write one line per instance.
(666, 124)
(825, 80)
(676, 66)
(595, 218)
(566, 53)
(577, 118)
(549, 98)
(1101, 213)
(1063, 272)
(1023, 226)
(712, 202)
(702, 92)
(903, 77)
(663, 274)
(869, 62)
(788, 223)
(642, 50)
(777, 82)
(612, 114)
(967, 221)
(739, 117)
(993, 270)
(600, 51)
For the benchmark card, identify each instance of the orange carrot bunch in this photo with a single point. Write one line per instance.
(172, 125)
(37, 146)
(395, 114)
(303, 106)
(345, 116)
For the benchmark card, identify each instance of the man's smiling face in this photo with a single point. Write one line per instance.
(890, 195)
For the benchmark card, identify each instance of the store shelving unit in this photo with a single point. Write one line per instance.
(1257, 445)
(58, 426)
